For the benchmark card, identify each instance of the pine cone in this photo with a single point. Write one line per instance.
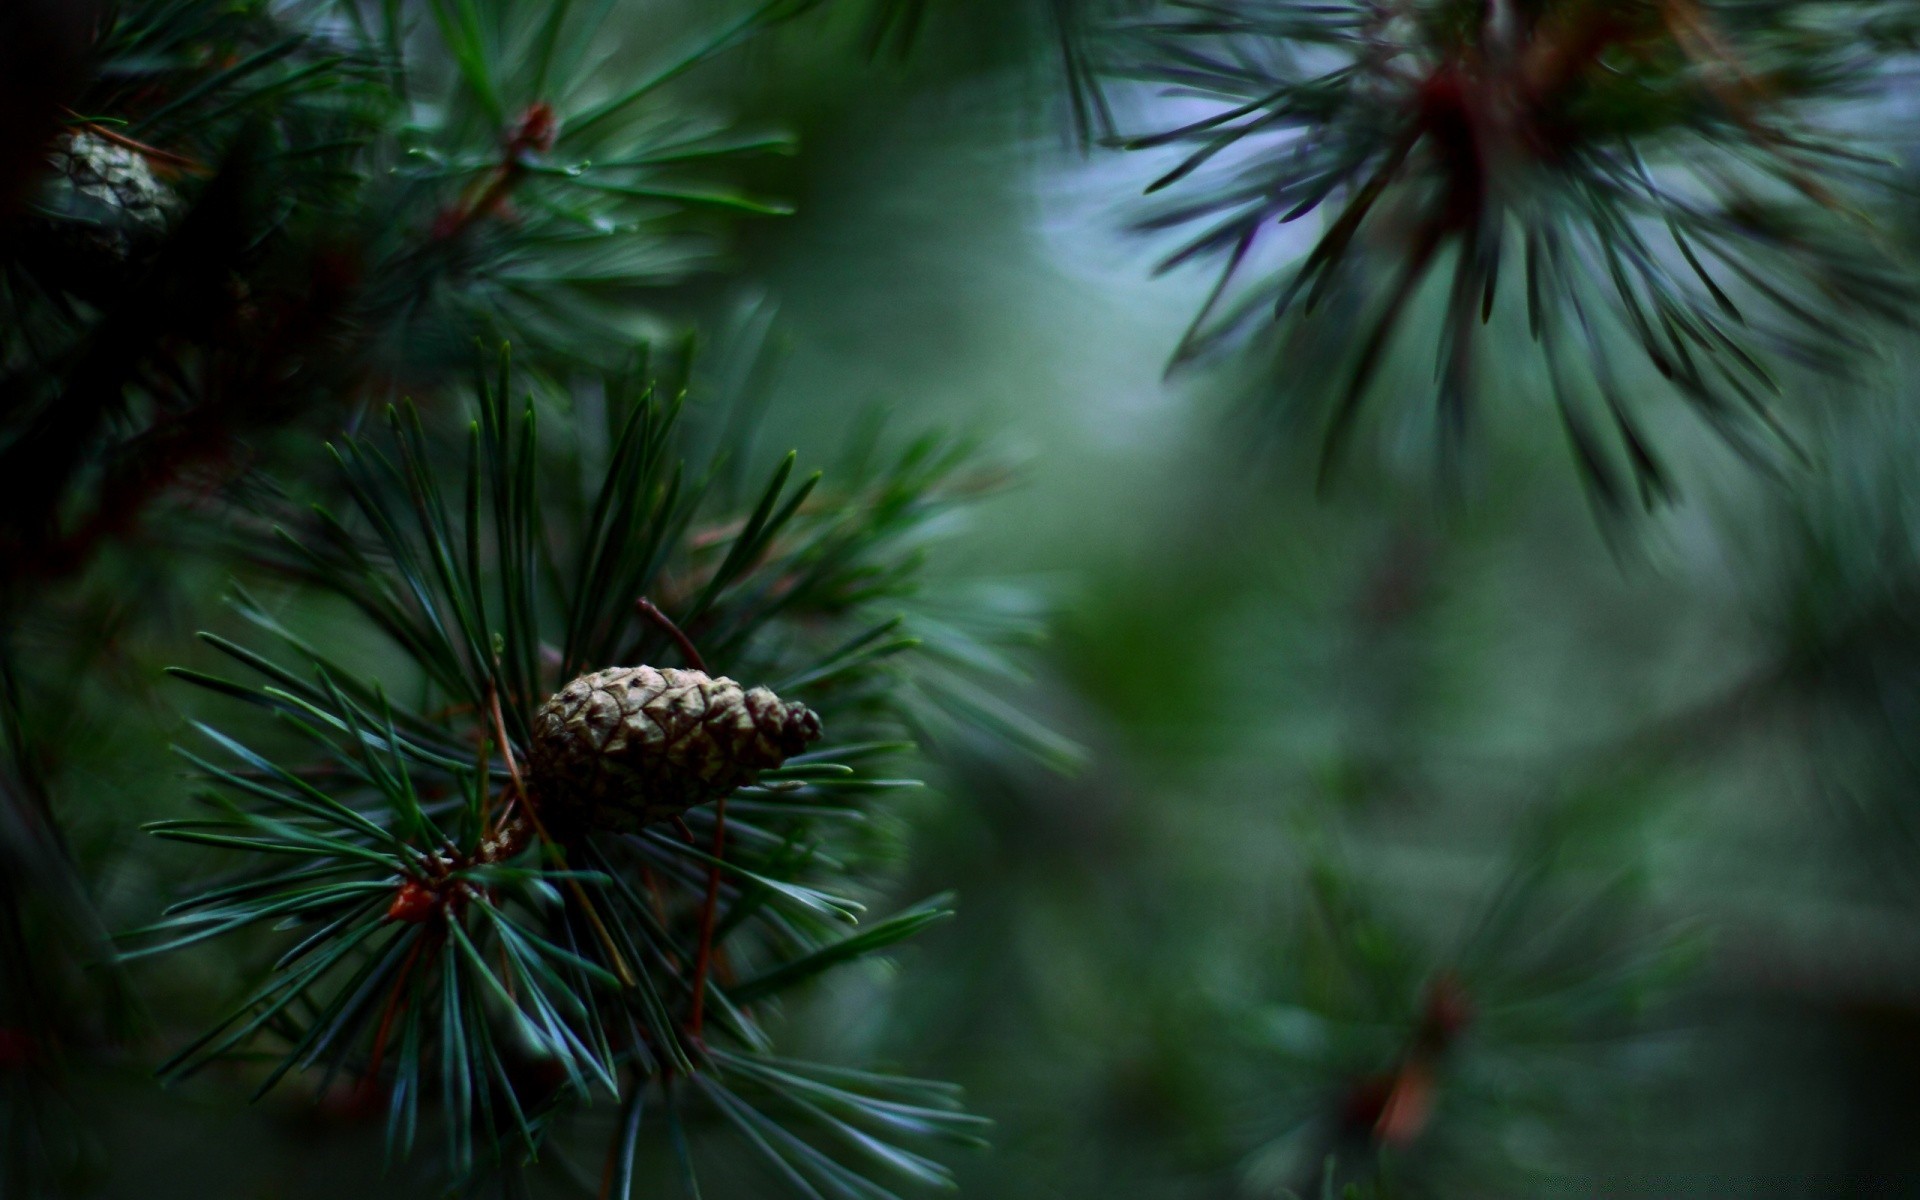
(113, 190)
(625, 747)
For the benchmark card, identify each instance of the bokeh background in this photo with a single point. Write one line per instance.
(1593, 852)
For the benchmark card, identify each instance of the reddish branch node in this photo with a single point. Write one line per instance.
(423, 898)
(418, 901)
(535, 132)
(415, 903)
(532, 134)
(1395, 1108)
(1516, 95)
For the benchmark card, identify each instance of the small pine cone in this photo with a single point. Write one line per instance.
(625, 747)
(114, 190)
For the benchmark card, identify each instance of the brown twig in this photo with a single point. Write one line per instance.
(394, 1004)
(533, 133)
(703, 960)
(703, 964)
(651, 611)
(151, 153)
(525, 800)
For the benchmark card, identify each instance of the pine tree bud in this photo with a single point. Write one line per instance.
(622, 748)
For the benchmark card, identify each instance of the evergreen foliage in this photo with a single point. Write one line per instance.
(1670, 177)
(1395, 865)
(260, 216)
(1397, 1059)
(441, 961)
(309, 207)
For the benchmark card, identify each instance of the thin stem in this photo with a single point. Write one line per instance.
(704, 962)
(394, 1003)
(651, 611)
(151, 153)
(600, 930)
(533, 134)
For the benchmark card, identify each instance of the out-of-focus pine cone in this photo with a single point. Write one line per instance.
(625, 747)
(111, 192)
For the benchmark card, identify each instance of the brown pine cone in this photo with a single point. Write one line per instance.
(111, 193)
(622, 748)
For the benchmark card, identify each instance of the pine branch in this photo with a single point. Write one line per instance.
(1658, 171)
(255, 218)
(442, 942)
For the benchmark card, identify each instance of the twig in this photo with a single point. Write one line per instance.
(651, 611)
(600, 929)
(703, 960)
(532, 134)
(152, 153)
(703, 964)
(394, 1003)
